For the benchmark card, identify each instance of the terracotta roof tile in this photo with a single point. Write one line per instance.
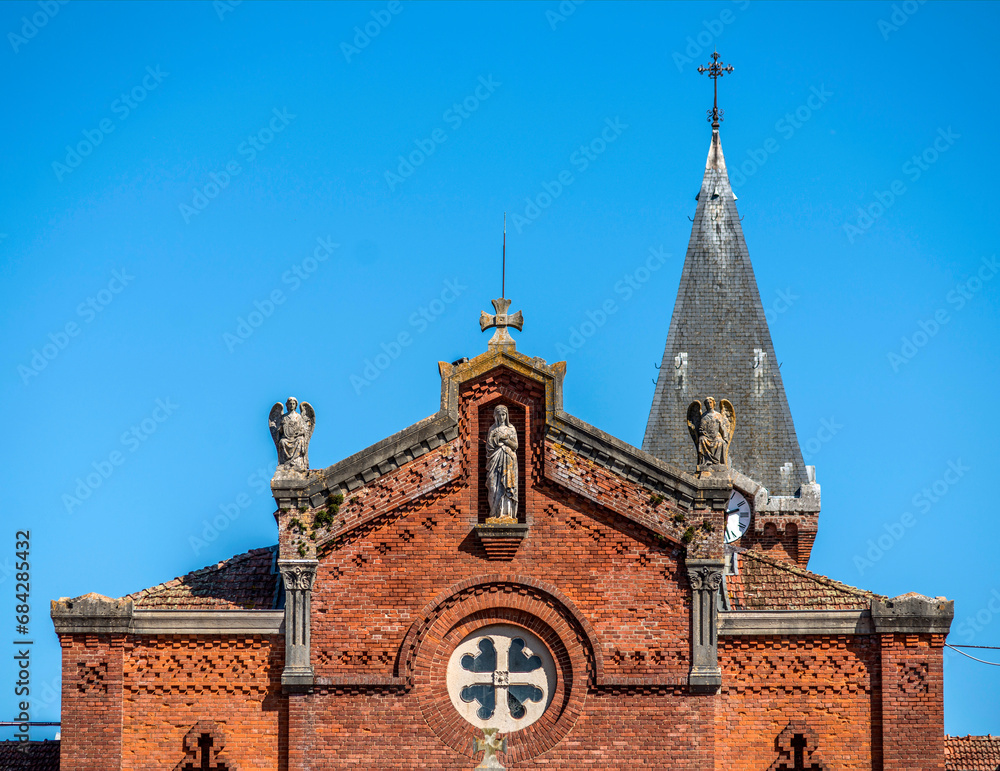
(29, 756)
(244, 582)
(972, 753)
(765, 583)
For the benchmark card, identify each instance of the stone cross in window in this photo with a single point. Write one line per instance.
(505, 679)
(501, 320)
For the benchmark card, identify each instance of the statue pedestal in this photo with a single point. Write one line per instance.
(501, 540)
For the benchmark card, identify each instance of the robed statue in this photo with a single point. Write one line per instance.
(712, 430)
(291, 432)
(501, 467)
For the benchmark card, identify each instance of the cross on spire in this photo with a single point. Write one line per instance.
(715, 71)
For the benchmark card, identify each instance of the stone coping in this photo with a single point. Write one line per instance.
(781, 623)
(93, 614)
(907, 614)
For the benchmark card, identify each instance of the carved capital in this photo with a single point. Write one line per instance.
(705, 577)
(298, 576)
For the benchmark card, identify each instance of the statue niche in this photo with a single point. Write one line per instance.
(501, 468)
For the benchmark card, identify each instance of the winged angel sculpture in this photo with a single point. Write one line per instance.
(291, 432)
(712, 431)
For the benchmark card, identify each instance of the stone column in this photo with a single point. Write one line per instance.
(298, 576)
(706, 578)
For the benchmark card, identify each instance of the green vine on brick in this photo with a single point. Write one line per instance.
(656, 499)
(688, 535)
(679, 518)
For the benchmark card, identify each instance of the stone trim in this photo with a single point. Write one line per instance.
(233, 623)
(367, 465)
(791, 623)
(223, 622)
(621, 458)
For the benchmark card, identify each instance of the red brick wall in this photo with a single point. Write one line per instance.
(91, 702)
(173, 683)
(828, 683)
(376, 729)
(913, 702)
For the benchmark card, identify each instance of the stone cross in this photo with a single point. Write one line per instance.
(501, 320)
(490, 745)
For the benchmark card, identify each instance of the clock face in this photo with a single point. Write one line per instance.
(737, 516)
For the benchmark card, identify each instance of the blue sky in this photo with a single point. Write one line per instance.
(209, 207)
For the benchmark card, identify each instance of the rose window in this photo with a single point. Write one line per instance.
(501, 677)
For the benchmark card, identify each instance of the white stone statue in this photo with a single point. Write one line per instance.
(291, 432)
(501, 467)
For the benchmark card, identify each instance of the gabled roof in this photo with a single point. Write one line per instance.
(766, 583)
(719, 345)
(244, 582)
(29, 756)
(972, 753)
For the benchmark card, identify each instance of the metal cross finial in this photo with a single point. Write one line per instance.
(502, 320)
(715, 71)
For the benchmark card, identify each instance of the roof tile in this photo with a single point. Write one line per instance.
(765, 583)
(29, 756)
(244, 582)
(972, 753)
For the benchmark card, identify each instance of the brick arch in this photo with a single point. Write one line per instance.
(482, 601)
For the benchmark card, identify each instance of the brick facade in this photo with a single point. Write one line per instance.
(602, 575)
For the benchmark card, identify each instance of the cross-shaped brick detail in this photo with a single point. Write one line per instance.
(501, 320)
(204, 745)
(794, 745)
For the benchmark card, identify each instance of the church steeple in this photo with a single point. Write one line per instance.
(719, 345)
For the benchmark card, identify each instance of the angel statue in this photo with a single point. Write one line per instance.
(501, 467)
(291, 432)
(712, 431)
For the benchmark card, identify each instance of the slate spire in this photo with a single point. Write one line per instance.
(719, 345)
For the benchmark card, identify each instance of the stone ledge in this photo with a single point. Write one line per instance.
(786, 623)
(913, 614)
(94, 614)
(239, 622)
(350, 681)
